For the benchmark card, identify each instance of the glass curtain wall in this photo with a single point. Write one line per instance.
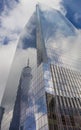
(52, 98)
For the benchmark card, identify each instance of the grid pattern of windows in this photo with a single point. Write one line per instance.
(64, 106)
(66, 82)
(36, 111)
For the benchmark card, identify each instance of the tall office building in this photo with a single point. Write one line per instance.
(48, 96)
(19, 114)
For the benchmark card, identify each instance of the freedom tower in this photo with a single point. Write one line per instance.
(45, 94)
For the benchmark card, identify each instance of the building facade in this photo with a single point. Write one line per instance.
(48, 96)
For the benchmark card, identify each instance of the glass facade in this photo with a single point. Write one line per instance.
(64, 107)
(45, 94)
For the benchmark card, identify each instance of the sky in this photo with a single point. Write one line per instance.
(14, 15)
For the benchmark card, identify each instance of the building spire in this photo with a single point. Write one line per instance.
(28, 62)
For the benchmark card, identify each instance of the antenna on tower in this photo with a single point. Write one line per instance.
(28, 62)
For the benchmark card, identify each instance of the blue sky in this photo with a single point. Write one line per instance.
(73, 8)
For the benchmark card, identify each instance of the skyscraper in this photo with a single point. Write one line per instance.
(48, 96)
(21, 103)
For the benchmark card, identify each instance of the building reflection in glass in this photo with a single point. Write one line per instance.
(44, 94)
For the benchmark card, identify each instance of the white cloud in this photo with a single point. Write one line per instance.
(68, 50)
(77, 17)
(18, 17)
(56, 4)
(14, 21)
